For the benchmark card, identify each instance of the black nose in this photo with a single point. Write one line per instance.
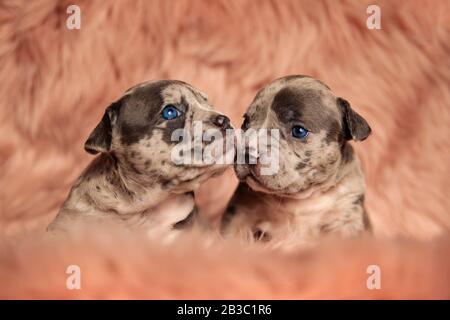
(222, 122)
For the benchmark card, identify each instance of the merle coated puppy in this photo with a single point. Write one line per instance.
(134, 180)
(319, 187)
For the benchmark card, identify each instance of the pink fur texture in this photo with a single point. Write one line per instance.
(35, 268)
(56, 82)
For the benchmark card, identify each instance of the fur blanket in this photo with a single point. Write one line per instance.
(56, 82)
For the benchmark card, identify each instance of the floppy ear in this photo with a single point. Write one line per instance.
(355, 126)
(100, 138)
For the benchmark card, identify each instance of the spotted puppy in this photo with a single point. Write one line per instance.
(319, 187)
(133, 181)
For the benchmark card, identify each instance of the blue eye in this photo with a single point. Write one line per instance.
(170, 112)
(299, 132)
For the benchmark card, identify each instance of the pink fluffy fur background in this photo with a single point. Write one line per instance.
(56, 83)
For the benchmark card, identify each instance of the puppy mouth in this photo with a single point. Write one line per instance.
(213, 159)
(251, 179)
(255, 182)
(209, 154)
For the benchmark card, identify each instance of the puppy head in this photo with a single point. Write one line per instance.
(138, 129)
(314, 127)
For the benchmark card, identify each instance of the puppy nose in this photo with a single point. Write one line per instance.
(222, 122)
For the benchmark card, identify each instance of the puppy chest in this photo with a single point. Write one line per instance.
(171, 211)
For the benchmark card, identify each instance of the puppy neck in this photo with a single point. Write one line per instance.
(112, 184)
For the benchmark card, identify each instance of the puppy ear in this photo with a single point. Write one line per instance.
(100, 138)
(355, 126)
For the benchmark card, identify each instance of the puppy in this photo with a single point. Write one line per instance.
(319, 187)
(134, 180)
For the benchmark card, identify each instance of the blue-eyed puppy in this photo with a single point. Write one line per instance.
(319, 187)
(134, 180)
